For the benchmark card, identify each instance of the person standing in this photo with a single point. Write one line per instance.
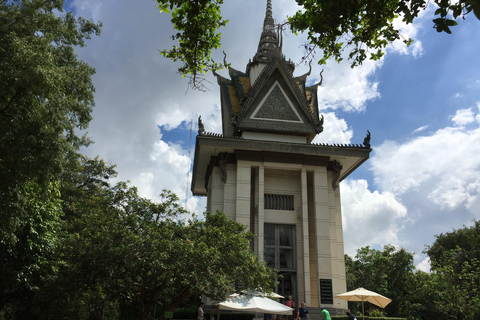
(303, 312)
(294, 314)
(200, 313)
(351, 316)
(325, 314)
(289, 301)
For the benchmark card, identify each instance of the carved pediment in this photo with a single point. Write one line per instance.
(276, 106)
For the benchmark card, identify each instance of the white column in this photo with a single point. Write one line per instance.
(338, 254)
(305, 239)
(261, 210)
(242, 207)
(322, 221)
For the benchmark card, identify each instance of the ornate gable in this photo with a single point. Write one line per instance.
(267, 98)
(276, 104)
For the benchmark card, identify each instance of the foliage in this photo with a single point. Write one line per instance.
(368, 318)
(197, 23)
(72, 245)
(127, 251)
(46, 93)
(388, 272)
(366, 27)
(457, 287)
(452, 288)
(30, 257)
(465, 243)
(377, 313)
(449, 291)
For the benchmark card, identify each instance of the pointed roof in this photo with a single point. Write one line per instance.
(270, 115)
(267, 98)
(269, 45)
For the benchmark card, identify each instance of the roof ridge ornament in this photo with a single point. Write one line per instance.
(366, 141)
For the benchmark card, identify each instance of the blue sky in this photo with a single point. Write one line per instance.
(421, 105)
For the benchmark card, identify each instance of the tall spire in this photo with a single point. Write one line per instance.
(269, 23)
(268, 46)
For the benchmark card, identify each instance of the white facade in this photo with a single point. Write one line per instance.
(264, 172)
(316, 219)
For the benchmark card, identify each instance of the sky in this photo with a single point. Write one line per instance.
(421, 105)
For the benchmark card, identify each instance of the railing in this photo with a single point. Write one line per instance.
(278, 202)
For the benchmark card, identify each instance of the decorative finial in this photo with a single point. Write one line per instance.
(310, 68)
(321, 78)
(319, 126)
(337, 169)
(366, 141)
(201, 128)
(225, 59)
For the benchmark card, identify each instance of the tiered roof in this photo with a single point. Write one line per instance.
(269, 115)
(267, 97)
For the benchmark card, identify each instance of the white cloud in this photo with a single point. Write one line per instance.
(407, 31)
(369, 218)
(417, 49)
(137, 90)
(420, 129)
(463, 117)
(444, 165)
(351, 89)
(346, 88)
(424, 265)
(335, 130)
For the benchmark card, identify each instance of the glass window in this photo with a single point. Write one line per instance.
(279, 253)
(269, 257)
(286, 259)
(269, 236)
(286, 236)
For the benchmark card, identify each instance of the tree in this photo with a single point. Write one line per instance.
(388, 272)
(449, 291)
(464, 242)
(332, 26)
(197, 23)
(45, 94)
(455, 277)
(368, 26)
(136, 254)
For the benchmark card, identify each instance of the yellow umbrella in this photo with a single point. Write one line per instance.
(363, 295)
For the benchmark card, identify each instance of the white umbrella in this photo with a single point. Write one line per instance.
(363, 295)
(254, 303)
(275, 295)
(262, 294)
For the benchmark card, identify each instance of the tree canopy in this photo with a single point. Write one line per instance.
(46, 93)
(388, 272)
(367, 27)
(197, 23)
(364, 27)
(71, 244)
(465, 242)
(449, 291)
(129, 251)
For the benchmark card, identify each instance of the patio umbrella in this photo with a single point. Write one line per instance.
(253, 303)
(363, 295)
(263, 294)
